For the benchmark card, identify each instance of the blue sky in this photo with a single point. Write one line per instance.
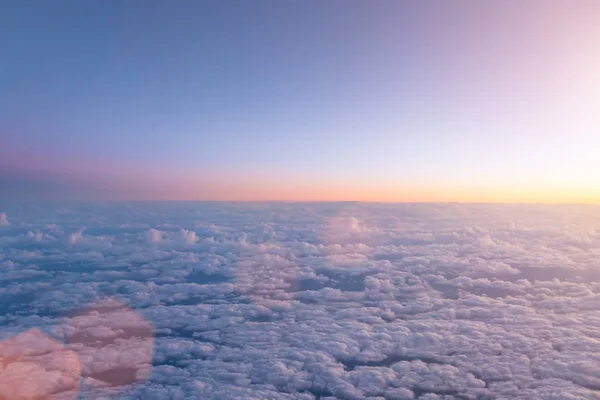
(352, 93)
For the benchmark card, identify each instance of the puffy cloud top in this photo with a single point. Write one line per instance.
(188, 237)
(307, 301)
(154, 236)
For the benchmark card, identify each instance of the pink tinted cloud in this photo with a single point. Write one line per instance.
(35, 366)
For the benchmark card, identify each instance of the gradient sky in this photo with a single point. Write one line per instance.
(478, 100)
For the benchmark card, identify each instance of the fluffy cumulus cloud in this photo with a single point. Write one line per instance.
(36, 366)
(4, 220)
(75, 237)
(153, 236)
(300, 301)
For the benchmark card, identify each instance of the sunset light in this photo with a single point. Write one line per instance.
(300, 200)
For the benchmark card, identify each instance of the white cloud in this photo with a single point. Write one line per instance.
(75, 237)
(288, 301)
(4, 220)
(188, 237)
(154, 236)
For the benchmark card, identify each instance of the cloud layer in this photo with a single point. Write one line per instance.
(312, 301)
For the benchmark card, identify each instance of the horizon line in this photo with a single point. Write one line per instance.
(116, 201)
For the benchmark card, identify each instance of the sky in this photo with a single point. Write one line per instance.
(428, 100)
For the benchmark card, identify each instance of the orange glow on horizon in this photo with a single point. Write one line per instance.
(151, 183)
(257, 189)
